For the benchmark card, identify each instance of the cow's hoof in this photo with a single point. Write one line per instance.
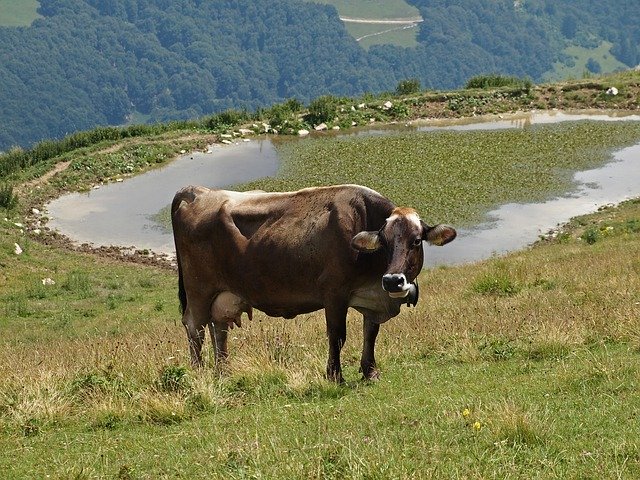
(373, 375)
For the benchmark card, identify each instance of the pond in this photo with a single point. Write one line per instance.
(123, 214)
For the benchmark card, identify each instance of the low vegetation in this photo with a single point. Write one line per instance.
(520, 366)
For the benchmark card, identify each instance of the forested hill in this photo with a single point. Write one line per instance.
(84, 63)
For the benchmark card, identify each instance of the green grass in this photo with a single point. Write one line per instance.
(580, 56)
(378, 34)
(540, 381)
(18, 13)
(381, 34)
(377, 9)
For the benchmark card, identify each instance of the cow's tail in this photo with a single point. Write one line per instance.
(182, 295)
(175, 205)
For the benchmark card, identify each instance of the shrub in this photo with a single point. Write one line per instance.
(498, 284)
(174, 378)
(591, 235)
(409, 86)
(494, 81)
(8, 199)
(322, 109)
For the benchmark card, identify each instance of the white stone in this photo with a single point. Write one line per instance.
(48, 281)
(387, 105)
(17, 250)
(35, 211)
(612, 91)
(303, 132)
(322, 126)
(335, 127)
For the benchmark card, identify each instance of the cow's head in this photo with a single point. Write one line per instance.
(401, 238)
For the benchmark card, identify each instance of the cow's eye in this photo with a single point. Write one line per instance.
(417, 242)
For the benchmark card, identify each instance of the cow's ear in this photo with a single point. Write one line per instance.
(438, 235)
(366, 242)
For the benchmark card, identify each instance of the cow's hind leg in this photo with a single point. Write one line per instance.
(370, 331)
(194, 320)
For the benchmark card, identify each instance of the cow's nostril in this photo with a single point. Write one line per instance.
(394, 282)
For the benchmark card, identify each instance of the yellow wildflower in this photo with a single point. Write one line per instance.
(477, 426)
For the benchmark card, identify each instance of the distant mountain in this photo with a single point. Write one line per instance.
(84, 63)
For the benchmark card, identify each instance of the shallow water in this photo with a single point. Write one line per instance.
(122, 213)
(515, 225)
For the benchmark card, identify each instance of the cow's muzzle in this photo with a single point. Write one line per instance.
(397, 286)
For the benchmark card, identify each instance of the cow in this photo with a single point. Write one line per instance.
(289, 253)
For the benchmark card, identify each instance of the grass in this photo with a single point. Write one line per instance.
(383, 34)
(374, 9)
(578, 65)
(378, 34)
(18, 13)
(548, 374)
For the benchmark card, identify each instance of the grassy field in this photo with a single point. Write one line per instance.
(580, 56)
(524, 366)
(374, 9)
(383, 34)
(378, 34)
(18, 13)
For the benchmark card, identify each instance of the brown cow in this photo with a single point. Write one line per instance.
(296, 252)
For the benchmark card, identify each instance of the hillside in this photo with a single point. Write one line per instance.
(83, 63)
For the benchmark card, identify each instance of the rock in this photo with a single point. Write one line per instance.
(48, 281)
(245, 131)
(227, 142)
(225, 135)
(335, 127)
(322, 126)
(387, 105)
(17, 250)
(35, 211)
(612, 91)
(362, 105)
(303, 132)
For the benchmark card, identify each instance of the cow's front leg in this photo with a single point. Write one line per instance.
(368, 361)
(337, 332)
